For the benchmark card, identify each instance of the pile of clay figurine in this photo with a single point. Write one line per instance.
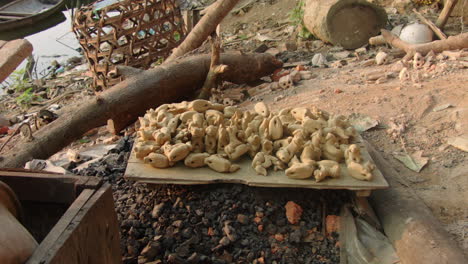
(304, 142)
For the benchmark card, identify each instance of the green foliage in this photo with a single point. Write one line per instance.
(26, 98)
(84, 140)
(296, 18)
(177, 36)
(19, 84)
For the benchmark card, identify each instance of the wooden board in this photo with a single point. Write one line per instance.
(88, 232)
(41, 186)
(179, 174)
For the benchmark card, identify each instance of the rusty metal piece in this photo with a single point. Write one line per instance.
(132, 33)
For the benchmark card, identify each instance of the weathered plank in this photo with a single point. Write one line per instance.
(12, 54)
(47, 187)
(87, 233)
(138, 171)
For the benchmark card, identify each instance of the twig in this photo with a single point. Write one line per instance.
(452, 43)
(429, 23)
(51, 101)
(444, 15)
(14, 133)
(215, 68)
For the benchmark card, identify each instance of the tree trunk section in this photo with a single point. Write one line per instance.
(346, 23)
(129, 99)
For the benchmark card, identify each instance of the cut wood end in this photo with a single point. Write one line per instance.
(220, 68)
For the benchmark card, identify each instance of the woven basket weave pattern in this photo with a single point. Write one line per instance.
(134, 33)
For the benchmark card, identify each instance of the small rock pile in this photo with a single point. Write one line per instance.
(217, 223)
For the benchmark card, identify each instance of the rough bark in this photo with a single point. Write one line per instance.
(124, 102)
(451, 43)
(347, 23)
(204, 27)
(418, 237)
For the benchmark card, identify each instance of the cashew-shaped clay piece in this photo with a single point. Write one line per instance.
(285, 154)
(311, 125)
(310, 152)
(172, 124)
(317, 138)
(258, 164)
(196, 160)
(298, 170)
(145, 133)
(236, 119)
(199, 105)
(211, 137)
(177, 152)
(267, 147)
(254, 142)
(353, 154)
(286, 116)
(198, 138)
(263, 129)
(262, 109)
(293, 127)
(327, 168)
(330, 150)
(220, 164)
(144, 122)
(198, 120)
(359, 171)
(217, 107)
(281, 143)
(142, 149)
(299, 113)
(275, 128)
(235, 149)
(179, 107)
(186, 116)
(214, 117)
(157, 160)
(229, 111)
(223, 139)
(161, 136)
(246, 119)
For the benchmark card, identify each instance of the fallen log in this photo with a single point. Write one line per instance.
(347, 23)
(124, 102)
(204, 27)
(417, 236)
(451, 43)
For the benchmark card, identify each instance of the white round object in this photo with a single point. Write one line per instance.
(416, 34)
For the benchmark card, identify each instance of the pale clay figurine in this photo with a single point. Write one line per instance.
(220, 164)
(307, 142)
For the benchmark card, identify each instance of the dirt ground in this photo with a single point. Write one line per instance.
(443, 183)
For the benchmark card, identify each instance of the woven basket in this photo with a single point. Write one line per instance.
(134, 33)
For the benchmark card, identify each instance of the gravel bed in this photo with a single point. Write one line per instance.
(219, 223)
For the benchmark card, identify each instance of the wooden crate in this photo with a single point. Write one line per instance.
(72, 217)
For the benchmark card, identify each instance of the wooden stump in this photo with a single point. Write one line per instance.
(346, 23)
